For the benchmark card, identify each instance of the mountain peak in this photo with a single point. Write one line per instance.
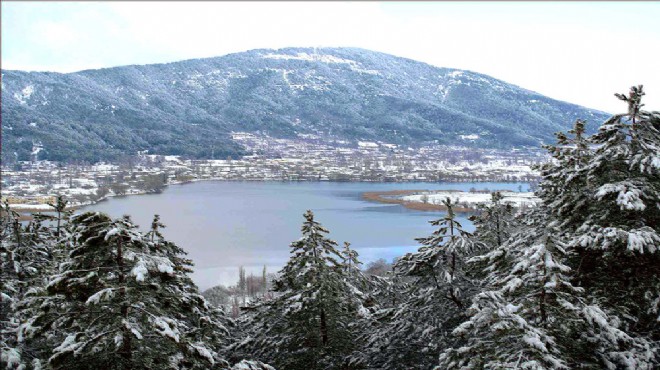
(190, 107)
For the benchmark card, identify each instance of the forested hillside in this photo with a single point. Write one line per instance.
(190, 108)
(572, 283)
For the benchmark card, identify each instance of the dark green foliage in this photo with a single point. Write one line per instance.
(615, 231)
(10, 289)
(577, 285)
(123, 300)
(494, 222)
(526, 299)
(310, 324)
(28, 256)
(414, 330)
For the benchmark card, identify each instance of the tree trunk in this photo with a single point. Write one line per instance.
(324, 328)
(59, 220)
(544, 316)
(499, 234)
(125, 351)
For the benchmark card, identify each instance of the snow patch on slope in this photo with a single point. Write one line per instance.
(469, 137)
(323, 58)
(25, 94)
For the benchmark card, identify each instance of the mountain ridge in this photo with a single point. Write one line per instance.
(190, 107)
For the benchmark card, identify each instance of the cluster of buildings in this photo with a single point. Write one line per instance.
(30, 185)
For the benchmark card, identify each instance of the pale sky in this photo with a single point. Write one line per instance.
(580, 52)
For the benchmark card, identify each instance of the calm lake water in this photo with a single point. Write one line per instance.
(223, 225)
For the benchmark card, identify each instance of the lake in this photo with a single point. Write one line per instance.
(225, 224)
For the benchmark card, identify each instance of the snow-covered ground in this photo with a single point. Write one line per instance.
(31, 207)
(472, 199)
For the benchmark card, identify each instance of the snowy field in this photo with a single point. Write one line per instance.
(472, 198)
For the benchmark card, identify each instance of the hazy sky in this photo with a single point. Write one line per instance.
(580, 52)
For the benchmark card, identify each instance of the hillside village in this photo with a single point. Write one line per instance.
(32, 184)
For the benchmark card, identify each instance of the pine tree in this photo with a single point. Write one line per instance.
(531, 304)
(494, 222)
(577, 286)
(603, 191)
(59, 206)
(350, 260)
(26, 259)
(440, 261)
(614, 229)
(154, 233)
(120, 302)
(264, 281)
(379, 337)
(564, 188)
(206, 326)
(242, 282)
(312, 318)
(527, 288)
(10, 352)
(351, 264)
(435, 297)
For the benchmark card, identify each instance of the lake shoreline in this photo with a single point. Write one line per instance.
(396, 197)
(25, 213)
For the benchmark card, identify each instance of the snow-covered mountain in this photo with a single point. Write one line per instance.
(190, 107)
